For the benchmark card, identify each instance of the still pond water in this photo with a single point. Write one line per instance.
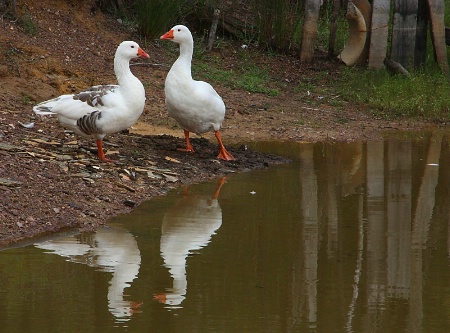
(350, 237)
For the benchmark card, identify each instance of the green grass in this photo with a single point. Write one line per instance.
(249, 77)
(420, 95)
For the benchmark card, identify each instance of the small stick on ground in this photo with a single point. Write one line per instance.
(395, 67)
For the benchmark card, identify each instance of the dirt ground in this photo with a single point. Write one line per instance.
(50, 179)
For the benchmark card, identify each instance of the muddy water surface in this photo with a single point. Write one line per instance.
(350, 237)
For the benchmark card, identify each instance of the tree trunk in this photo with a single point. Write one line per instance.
(212, 32)
(436, 8)
(310, 27)
(379, 33)
(404, 31)
(420, 55)
(333, 27)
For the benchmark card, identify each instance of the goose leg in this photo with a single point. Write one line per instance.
(188, 143)
(216, 193)
(223, 153)
(101, 154)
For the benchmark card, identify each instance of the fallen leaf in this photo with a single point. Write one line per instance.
(141, 170)
(170, 179)
(170, 159)
(112, 152)
(88, 180)
(152, 175)
(46, 142)
(124, 177)
(129, 188)
(26, 125)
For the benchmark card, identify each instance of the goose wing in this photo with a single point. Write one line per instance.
(95, 99)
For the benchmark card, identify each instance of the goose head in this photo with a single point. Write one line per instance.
(178, 34)
(130, 50)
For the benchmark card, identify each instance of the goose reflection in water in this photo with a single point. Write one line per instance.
(111, 249)
(187, 227)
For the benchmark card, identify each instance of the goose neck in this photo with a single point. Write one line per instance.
(122, 70)
(186, 50)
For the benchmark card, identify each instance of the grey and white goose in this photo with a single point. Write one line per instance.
(103, 109)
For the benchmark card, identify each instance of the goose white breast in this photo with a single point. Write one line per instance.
(103, 109)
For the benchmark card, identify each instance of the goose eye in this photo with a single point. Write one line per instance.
(179, 30)
(132, 46)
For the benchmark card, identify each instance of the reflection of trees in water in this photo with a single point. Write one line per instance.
(390, 192)
(110, 249)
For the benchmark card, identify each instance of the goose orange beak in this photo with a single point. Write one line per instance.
(167, 35)
(141, 53)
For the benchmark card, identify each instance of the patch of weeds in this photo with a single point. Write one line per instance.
(255, 79)
(29, 26)
(27, 100)
(419, 95)
(11, 60)
(336, 101)
(303, 87)
(211, 73)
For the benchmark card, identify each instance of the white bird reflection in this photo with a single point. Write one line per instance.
(187, 227)
(111, 249)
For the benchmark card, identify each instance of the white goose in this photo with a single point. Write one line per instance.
(103, 109)
(195, 105)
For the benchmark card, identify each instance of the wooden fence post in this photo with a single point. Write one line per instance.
(436, 8)
(310, 27)
(379, 33)
(404, 32)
